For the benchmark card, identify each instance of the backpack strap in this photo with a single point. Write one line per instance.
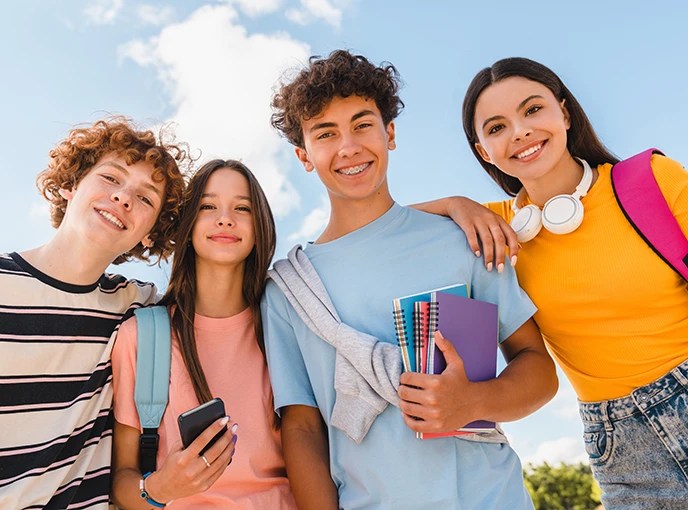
(152, 379)
(642, 202)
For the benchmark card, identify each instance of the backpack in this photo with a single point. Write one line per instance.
(152, 379)
(642, 202)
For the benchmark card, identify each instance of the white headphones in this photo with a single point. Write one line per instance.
(560, 215)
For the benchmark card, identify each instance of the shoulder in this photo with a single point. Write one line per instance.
(503, 208)
(9, 266)
(143, 293)
(671, 177)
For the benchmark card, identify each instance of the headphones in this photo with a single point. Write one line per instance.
(561, 214)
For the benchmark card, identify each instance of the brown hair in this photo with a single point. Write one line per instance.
(77, 154)
(339, 75)
(180, 297)
(581, 141)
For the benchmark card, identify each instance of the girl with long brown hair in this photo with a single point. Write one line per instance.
(223, 248)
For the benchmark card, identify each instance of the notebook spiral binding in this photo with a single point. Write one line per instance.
(433, 321)
(400, 328)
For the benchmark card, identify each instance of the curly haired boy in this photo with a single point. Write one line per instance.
(114, 192)
(339, 114)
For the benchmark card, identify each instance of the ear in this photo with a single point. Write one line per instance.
(304, 159)
(391, 134)
(65, 193)
(565, 111)
(147, 242)
(483, 153)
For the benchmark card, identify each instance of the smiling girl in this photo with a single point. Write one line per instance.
(224, 245)
(613, 314)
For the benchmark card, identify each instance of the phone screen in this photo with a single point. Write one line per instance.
(192, 423)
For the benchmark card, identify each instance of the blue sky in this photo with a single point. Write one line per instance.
(210, 65)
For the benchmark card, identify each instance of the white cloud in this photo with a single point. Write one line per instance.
(103, 12)
(566, 449)
(564, 404)
(312, 10)
(155, 14)
(220, 79)
(313, 223)
(255, 8)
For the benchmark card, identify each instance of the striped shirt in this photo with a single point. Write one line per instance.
(56, 385)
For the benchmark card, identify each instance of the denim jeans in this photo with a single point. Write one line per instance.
(638, 445)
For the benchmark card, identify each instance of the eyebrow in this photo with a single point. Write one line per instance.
(354, 117)
(520, 105)
(125, 171)
(214, 195)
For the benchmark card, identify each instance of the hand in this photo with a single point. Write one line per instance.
(496, 234)
(185, 473)
(443, 402)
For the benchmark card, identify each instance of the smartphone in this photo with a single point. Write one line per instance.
(193, 422)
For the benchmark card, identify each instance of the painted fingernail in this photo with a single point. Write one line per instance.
(477, 253)
(489, 266)
(513, 260)
(500, 267)
(234, 428)
(234, 439)
(224, 421)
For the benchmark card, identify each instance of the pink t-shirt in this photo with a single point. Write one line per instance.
(236, 372)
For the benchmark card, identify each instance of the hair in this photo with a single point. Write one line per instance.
(582, 141)
(341, 74)
(77, 154)
(180, 297)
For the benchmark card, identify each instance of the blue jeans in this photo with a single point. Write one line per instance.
(638, 445)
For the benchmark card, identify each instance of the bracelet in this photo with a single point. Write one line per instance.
(144, 493)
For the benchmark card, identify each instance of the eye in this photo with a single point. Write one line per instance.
(364, 125)
(243, 208)
(533, 109)
(109, 178)
(322, 136)
(146, 200)
(495, 129)
(207, 207)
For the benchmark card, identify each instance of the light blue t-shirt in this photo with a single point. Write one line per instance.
(401, 253)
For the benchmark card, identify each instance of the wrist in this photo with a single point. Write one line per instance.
(478, 403)
(154, 494)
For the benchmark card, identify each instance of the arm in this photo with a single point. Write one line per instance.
(306, 454)
(183, 473)
(527, 383)
(478, 221)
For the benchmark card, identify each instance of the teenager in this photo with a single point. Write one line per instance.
(339, 114)
(612, 313)
(223, 248)
(113, 192)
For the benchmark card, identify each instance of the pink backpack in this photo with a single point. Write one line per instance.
(643, 204)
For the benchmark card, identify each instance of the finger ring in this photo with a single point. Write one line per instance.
(205, 460)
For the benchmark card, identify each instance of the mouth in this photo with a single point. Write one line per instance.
(530, 152)
(224, 238)
(353, 170)
(111, 218)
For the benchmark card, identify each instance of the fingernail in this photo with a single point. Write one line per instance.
(477, 253)
(224, 421)
(234, 428)
(519, 245)
(513, 260)
(500, 267)
(489, 266)
(234, 439)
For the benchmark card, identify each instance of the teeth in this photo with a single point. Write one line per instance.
(353, 170)
(530, 151)
(111, 219)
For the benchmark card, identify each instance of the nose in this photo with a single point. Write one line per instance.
(349, 146)
(123, 198)
(224, 219)
(522, 131)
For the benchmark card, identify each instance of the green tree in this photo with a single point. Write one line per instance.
(563, 487)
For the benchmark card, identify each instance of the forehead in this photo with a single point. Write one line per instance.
(504, 96)
(342, 109)
(225, 182)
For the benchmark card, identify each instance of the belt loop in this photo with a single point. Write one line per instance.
(604, 408)
(680, 376)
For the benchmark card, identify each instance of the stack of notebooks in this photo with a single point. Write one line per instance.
(472, 326)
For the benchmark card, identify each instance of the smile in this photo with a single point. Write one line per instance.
(112, 219)
(354, 170)
(529, 151)
(224, 238)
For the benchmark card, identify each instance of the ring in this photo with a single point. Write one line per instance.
(205, 460)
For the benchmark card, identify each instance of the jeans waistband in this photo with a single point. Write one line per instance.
(640, 399)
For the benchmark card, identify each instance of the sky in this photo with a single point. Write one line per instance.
(210, 67)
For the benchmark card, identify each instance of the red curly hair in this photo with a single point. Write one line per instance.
(77, 154)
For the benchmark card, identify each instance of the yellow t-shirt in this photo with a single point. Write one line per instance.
(613, 314)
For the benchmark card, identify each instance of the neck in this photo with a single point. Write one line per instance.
(562, 179)
(348, 215)
(219, 289)
(69, 259)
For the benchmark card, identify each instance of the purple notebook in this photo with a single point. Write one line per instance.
(472, 326)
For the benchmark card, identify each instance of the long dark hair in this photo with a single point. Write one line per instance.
(582, 141)
(180, 297)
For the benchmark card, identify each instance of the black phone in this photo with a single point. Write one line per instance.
(193, 422)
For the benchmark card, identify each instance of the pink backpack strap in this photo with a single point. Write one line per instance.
(645, 207)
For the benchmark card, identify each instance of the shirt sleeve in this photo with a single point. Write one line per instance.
(502, 208)
(124, 374)
(288, 373)
(672, 179)
(515, 307)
